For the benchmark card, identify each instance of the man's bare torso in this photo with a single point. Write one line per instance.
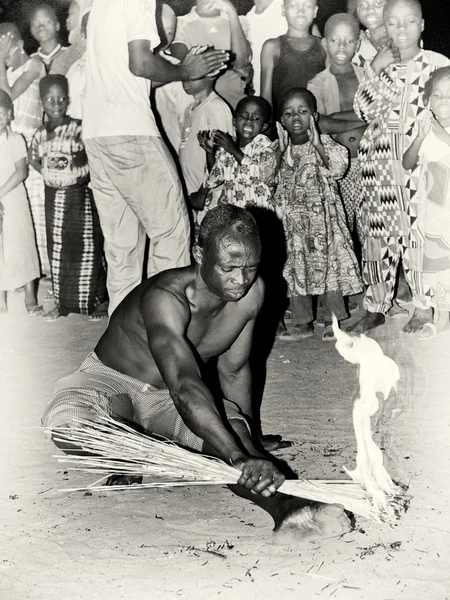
(125, 347)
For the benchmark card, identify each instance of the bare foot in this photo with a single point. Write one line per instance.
(273, 442)
(314, 522)
(397, 311)
(298, 332)
(369, 321)
(419, 317)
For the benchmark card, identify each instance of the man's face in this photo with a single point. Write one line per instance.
(229, 267)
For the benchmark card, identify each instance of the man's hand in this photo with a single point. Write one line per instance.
(206, 141)
(259, 476)
(388, 55)
(197, 199)
(202, 62)
(225, 141)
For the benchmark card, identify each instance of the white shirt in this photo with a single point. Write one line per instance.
(260, 28)
(116, 101)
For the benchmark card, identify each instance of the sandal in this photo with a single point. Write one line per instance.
(35, 311)
(427, 331)
(295, 334)
(53, 314)
(328, 334)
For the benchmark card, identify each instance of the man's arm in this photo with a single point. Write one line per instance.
(143, 63)
(330, 125)
(269, 55)
(240, 48)
(166, 319)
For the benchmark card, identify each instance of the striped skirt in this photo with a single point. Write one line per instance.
(75, 249)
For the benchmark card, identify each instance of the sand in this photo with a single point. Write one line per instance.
(205, 543)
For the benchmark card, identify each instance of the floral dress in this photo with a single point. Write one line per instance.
(320, 257)
(252, 181)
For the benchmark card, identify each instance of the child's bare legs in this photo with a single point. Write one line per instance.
(3, 305)
(31, 294)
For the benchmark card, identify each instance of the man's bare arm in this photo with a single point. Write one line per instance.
(330, 125)
(143, 63)
(166, 318)
(269, 55)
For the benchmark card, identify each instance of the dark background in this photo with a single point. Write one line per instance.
(436, 35)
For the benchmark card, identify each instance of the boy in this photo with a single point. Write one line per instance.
(334, 89)
(208, 112)
(291, 60)
(245, 165)
(216, 23)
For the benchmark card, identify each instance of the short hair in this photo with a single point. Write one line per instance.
(415, 4)
(49, 80)
(10, 28)
(339, 18)
(6, 102)
(45, 7)
(227, 219)
(310, 98)
(265, 107)
(438, 75)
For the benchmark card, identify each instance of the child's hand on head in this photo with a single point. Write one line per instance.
(283, 137)
(388, 55)
(313, 132)
(5, 46)
(224, 140)
(206, 141)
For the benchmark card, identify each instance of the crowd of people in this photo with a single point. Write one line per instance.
(178, 133)
(134, 135)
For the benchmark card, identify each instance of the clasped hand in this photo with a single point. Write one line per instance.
(259, 476)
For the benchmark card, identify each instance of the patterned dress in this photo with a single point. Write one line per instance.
(74, 237)
(320, 257)
(391, 103)
(252, 181)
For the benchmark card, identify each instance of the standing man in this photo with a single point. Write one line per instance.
(136, 186)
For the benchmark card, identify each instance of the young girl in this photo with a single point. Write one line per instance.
(19, 262)
(291, 60)
(430, 149)
(320, 259)
(390, 99)
(19, 77)
(74, 238)
(244, 165)
(373, 37)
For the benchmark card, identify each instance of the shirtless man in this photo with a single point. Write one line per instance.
(148, 367)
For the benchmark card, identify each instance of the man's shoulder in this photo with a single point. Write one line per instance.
(166, 289)
(254, 300)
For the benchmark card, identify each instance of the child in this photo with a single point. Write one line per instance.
(374, 36)
(45, 27)
(320, 260)
(244, 165)
(19, 77)
(74, 238)
(19, 262)
(291, 60)
(431, 149)
(215, 23)
(334, 90)
(207, 112)
(390, 100)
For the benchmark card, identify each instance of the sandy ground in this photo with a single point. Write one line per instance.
(206, 544)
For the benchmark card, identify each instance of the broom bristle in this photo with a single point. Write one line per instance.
(110, 447)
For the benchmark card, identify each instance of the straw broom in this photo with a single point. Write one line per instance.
(112, 447)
